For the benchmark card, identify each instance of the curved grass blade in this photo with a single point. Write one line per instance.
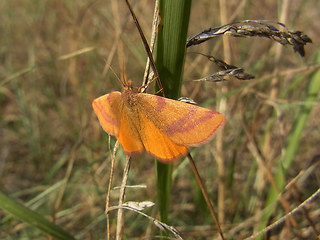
(33, 218)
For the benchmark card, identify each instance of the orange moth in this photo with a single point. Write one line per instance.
(163, 127)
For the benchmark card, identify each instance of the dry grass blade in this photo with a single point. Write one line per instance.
(205, 195)
(219, 76)
(120, 219)
(113, 159)
(162, 226)
(146, 45)
(226, 70)
(256, 28)
(58, 201)
(148, 76)
(282, 219)
(139, 206)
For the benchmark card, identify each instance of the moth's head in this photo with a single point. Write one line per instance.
(128, 86)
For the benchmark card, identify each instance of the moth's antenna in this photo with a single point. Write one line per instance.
(122, 81)
(146, 46)
(124, 76)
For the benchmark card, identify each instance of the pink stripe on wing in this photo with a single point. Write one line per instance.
(161, 103)
(188, 122)
(101, 111)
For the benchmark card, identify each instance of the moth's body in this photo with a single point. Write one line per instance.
(129, 95)
(163, 127)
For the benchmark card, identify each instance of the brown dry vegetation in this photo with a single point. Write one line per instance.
(55, 157)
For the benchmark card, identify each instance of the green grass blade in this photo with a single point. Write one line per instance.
(170, 50)
(33, 218)
(164, 175)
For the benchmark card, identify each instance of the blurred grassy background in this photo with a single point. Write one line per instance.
(55, 157)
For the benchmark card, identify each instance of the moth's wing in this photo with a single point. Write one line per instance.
(156, 142)
(129, 136)
(183, 123)
(114, 119)
(108, 109)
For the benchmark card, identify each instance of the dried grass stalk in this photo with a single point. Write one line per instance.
(226, 70)
(256, 28)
